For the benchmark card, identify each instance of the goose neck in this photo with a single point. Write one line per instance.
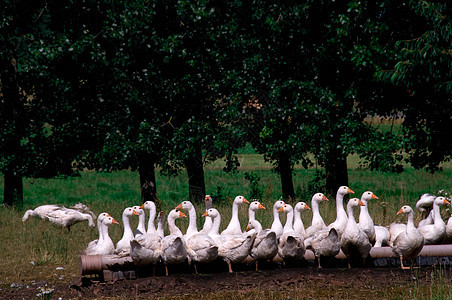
(151, 224)
(127, 228)
(289, 222)
(173, 229)
(251, 215)
(215, 226)
(192, 228)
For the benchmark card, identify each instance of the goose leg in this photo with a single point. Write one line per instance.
(153, 270)
(166, 270)
(318, 260)
(401, 264)
(257, 269)
(230, 267)
(196, 270)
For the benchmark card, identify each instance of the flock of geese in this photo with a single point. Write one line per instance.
(148, 245)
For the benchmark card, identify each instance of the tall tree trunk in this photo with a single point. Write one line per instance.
(13, 185)
(285, 172)
(195, 172)
(336, 170)
(147, 178)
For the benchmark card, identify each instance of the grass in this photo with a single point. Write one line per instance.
(35, 249)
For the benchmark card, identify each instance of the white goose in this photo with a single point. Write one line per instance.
(436, 232)
(325, 243)
(424, 205)
(354, 242)
(254, 206)
(66, 217)
(208, 220)
(100, 218)
(201, 248)
(265, 246)
(409, 242)
(173, 245)
(146, 249)
(317, 223)
(141, 229)
(290, 246)
(231, 248)
(298, 225)
(234, 224)
(365, 221)
(104, 246)
(341, 216)
(277, 225)
(41, 211)
(150, 206)
(123, 245)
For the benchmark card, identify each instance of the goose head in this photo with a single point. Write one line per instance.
(138, 209)
(211, 212)
(240, 200)
(253, 224)
(176, 214)
(405, 210)
(256, 205)
(278, 204)
(354, 202)
(344, 190)
(319, 197)
(441, 201)
(148, 205)
(286, 208)
(208, 201)
(109, 221)
(301, 206)
(185, 205)
(367, 196)
(129, 211)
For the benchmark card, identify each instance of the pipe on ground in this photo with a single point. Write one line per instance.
(92, 264)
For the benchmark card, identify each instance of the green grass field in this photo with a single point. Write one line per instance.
(35, 249)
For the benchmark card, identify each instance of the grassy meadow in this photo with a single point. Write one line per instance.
(32, 251)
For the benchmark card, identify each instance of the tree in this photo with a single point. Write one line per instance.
(47, 85)
(423, 70)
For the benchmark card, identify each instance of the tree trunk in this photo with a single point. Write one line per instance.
(195, 172)
(336, 170)
(13, 185)
(147, 178)
(285, 172)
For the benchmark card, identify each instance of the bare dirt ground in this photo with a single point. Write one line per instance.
(272, 282)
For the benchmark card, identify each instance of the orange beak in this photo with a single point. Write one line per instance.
(361, 203)
(446, 202)
(179, 206)
(115, 222)
(261, 206)
(248, 228)
(281, 209)
(182, 215)
(245, 201)
(135, 213)
(206, 214)
(324, 198)
(350, 191)
(142, 206)
(307, 207)
(374, 196)
(400, 212)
